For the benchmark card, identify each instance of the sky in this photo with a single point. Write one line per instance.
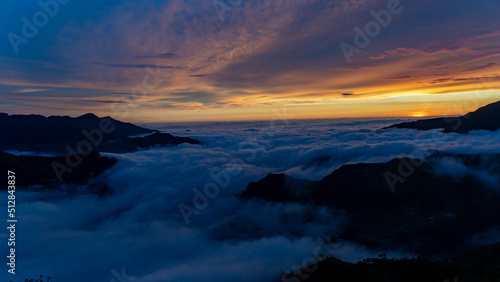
(194, 60)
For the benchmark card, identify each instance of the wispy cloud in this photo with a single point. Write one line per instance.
(156, 56)
(29, 90)
(480, 67)
(139, 66)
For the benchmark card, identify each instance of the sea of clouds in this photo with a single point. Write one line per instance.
(139, 230)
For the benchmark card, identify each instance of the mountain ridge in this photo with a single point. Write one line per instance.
(429, 213)
(484, 118)
(37, 133)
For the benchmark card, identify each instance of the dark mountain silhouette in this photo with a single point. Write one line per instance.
(478, 265)
(53, 134)
(428, 213)
(485, 118)
(125, 144)
(38, 171)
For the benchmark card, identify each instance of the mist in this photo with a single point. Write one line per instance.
(138, 228)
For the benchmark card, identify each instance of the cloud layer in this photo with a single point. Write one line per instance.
(140, 227)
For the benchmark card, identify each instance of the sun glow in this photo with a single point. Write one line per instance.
(419, 114)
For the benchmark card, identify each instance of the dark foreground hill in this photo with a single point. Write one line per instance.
(479, 265)
(55, 134)
(39, 171)
(404, 204)
(485, 118)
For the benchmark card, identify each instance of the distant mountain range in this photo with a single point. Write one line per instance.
(428, 213)
(78, 140)
(485, 118)
(36, 133)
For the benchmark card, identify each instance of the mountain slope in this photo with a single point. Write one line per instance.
(479, 265)
(39, 171)
(485, 118)
(429, 212)
(53, 134)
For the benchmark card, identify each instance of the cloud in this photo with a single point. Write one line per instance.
(141, 66)
(400, 77)
(267, 57)
(453, 167)
(480, 67)
(205, 98)
(396, 52)
(155, 56)
(462, 79)
(139, 225)
(29, 90)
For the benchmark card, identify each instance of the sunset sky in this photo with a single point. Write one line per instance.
(432, 58)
